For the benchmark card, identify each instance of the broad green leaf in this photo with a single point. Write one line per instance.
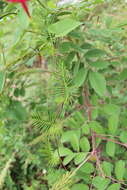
(77, 48)
(111, 109)
(100, 64)
(95, 53)
(76, 68)
(64, 151)
(65, 47)
(86, 46)
(80, 157)
(94, 113)
(123, 136)
(74, 140)
(100, 182)
(94, 99)
(2, 80)
(98, 83)
(63, 27)
(69, 58)
(80, 77)
(107, 168)
(84, 144)
(68, 158)
(66, 135)
(80, 186)
(87, 168)
(115, 186)
(85, 129)
(76, 35)
(110, 148)
(120, 169)
(96, 127)
(113, 123)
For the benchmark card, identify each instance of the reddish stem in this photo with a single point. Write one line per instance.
(93, 134)
(112, 140)
(88, 104)
(24, 5)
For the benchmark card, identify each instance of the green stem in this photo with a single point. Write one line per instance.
(42, 5)
(7, 14)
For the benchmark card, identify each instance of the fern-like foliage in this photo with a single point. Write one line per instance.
(62, 91)
(63, 183)
(50, 127)
(41, 123)
(50, 156)
(51, 134)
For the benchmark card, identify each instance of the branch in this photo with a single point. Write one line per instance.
(112, 140)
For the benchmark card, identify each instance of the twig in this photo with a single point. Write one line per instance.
(93, 134)
(96, 154)
(87, 103)
(115, 180)
(99, 166)
(91, 185)
(112, 140)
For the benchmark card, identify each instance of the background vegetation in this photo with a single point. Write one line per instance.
(63, 96)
